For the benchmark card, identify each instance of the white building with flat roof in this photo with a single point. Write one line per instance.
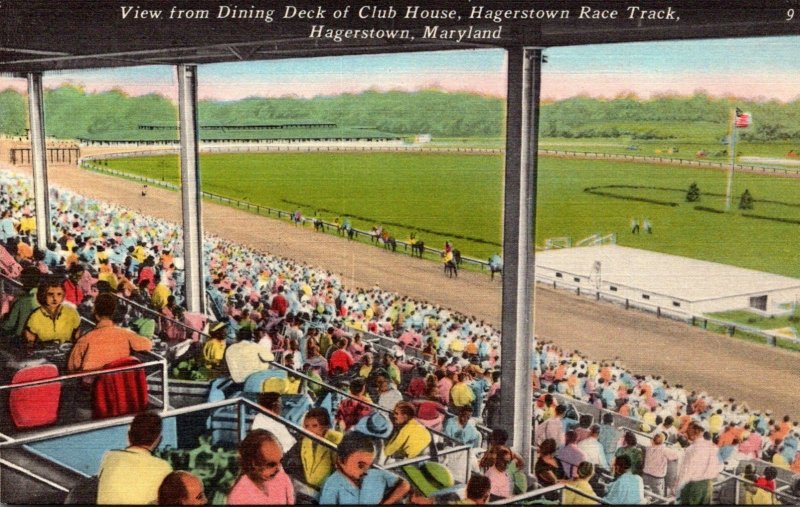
(667, 281)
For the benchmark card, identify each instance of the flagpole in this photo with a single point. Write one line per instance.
(732, 145)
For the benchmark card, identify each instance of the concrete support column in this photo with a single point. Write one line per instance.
(190, 188)
(39, 158)
(519, 211)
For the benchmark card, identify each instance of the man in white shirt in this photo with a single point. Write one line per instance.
(272, 405)
(656, 460)
(699, 467)
(595, 454)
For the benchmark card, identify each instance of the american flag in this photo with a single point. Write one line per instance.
(743, 120)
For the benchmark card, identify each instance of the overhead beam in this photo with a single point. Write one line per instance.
(39, 159)
(191, 188)
(522, 123)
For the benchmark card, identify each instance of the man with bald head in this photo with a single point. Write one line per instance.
(181, 488)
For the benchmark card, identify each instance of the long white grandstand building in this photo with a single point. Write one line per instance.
(682, 284)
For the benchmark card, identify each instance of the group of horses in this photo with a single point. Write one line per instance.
(380, 236)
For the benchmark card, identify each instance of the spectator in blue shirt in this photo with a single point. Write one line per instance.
(627, 488)
(355, 482)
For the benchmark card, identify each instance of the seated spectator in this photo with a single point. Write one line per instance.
(352, 409)
(630, 448)
(584, 473)
(430, 481)
(546, 469)
(627, 488)
(479, 488)
(271, 402)
(355, 482)
(72, 290)
(214, 348)
(181, 488)
(22, 307)
(411, 438)
(316, 462)
(54, 320)
(133, 475)
(245, 357)
(462, 429)
(388, 395)
(340, 361)
(262, 479)
(107, 342)
(755, 494)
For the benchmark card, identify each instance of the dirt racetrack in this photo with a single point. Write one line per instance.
(764, 377)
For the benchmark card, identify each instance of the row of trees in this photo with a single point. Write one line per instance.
(72, 112)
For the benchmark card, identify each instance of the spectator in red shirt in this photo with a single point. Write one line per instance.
(72, 291)
(279, 303)
(340, 361)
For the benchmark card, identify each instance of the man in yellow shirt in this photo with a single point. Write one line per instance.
(461, 394)
(411, 437)
(133, 475)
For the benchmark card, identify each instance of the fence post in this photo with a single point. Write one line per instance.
(658, 311)
(627, 303)
(731, 330)
(772, 340)
(578, 291)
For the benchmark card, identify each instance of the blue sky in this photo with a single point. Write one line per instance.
(764, 68)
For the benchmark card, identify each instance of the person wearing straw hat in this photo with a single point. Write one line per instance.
(214, 348)
(431, 480)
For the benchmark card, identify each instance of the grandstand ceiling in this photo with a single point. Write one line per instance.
(47, 35)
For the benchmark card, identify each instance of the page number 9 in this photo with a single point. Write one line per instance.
(789, 14)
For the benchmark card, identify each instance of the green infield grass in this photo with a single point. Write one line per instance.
(458, 197)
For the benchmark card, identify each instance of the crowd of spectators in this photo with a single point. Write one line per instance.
(401, 404)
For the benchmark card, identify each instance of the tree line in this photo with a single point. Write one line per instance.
(72, 112)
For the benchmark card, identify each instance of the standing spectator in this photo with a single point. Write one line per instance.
(552, 428)
(656, 461)
(262, 480)
(609, 436)
(133, 475)
(595, 454)
(355, 482)
(570, 455)
(627, 488)
(699, 467)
